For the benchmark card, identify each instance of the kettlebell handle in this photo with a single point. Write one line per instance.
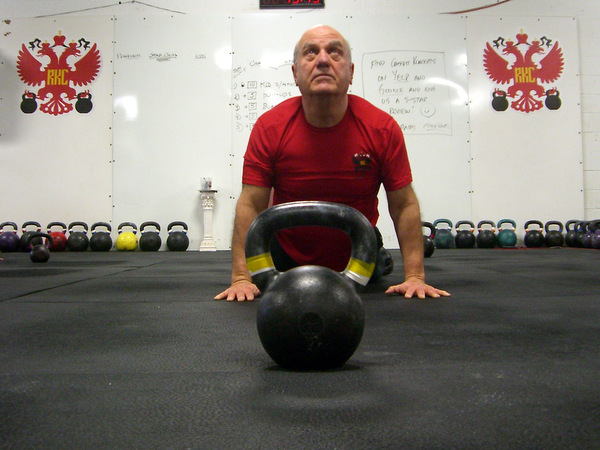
(149, 223)
(131, 225)
(101, 224)
(305, 213)
(177, 223)
(57, 224)
(38, 234)
(9, 224)
(76, 224)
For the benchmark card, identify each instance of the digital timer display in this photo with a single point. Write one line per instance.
(292, 4)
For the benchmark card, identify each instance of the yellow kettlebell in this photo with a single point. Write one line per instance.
(127, 240)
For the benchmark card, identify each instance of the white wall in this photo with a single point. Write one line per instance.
(126, 191)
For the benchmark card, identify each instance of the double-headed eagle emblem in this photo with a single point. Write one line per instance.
(58, 68)
(526, 66)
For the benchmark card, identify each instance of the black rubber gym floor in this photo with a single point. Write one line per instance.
(129, 350)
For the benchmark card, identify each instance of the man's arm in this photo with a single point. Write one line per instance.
(404, 210)
(253, 200)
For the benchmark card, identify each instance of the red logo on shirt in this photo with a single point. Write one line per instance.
(362, 161)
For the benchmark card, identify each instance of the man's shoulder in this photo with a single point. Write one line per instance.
(288, 107)
(365, 110)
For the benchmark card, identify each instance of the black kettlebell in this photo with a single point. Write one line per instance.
(9, 240)
(428, 242)
(24, 244)
(587, 234)
(443, 235)
(499, 101)
(150, 240)
(39, 253)
(310, 317)
(465, 237)
(486, 237)
(83, 105)
(178, 240)
(595, 228)
(534, 238)
(28, 105)
(101, 240)
(571, 238)
(553, 101)
(78, 240)
(554, 237)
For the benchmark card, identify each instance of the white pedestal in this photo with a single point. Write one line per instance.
(208, 203)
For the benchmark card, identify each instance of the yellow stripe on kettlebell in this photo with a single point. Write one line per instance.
(260, 263)
(359, 271)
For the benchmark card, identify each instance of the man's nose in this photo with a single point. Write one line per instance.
(323, 58)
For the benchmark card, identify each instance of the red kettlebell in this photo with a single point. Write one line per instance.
(59, 238)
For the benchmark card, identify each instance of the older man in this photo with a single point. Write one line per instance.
(327, 145)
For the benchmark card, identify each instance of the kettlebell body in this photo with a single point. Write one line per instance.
(554, 237)
(39, 253)
(507, 237)
(571, 238)
(534, 238)
(428, 239)
(553, 101)
(9, 239)
(150, 240)
(83, 105)
(465, 237)
(595, 228)
(587, 234)
(499, 101)
(310, 317)
(178, 240)
(486, 237)
(24, 244)
(78, 241)
(59, 237)
(101, 240)
(127, 240)
(443, 235)
(28, 103)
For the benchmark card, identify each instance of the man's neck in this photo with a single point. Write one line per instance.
(324, 111)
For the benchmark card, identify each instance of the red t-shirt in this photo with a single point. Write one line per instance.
(345, 164)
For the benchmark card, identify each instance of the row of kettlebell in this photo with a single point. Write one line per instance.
(100, 240)
(579, 234)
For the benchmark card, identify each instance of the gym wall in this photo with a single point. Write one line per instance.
(177, 94)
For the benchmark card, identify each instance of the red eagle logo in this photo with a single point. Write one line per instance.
(66, 66)
(527, 66)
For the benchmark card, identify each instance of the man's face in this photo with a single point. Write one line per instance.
(323, 65)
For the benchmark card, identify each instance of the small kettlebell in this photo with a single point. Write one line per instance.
(428, 240)
(499, 101)
(39, 253)
(552, 101)
(28, 105)
(83, 105)
(178, 241)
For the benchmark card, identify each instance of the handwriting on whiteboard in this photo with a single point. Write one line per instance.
(412, 87)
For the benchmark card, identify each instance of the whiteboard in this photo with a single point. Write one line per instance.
(415, 68)
(172, 121)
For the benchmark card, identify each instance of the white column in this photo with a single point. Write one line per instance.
(208, 203)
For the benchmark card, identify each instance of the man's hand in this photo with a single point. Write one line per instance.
(418, 287)
(241, 291)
